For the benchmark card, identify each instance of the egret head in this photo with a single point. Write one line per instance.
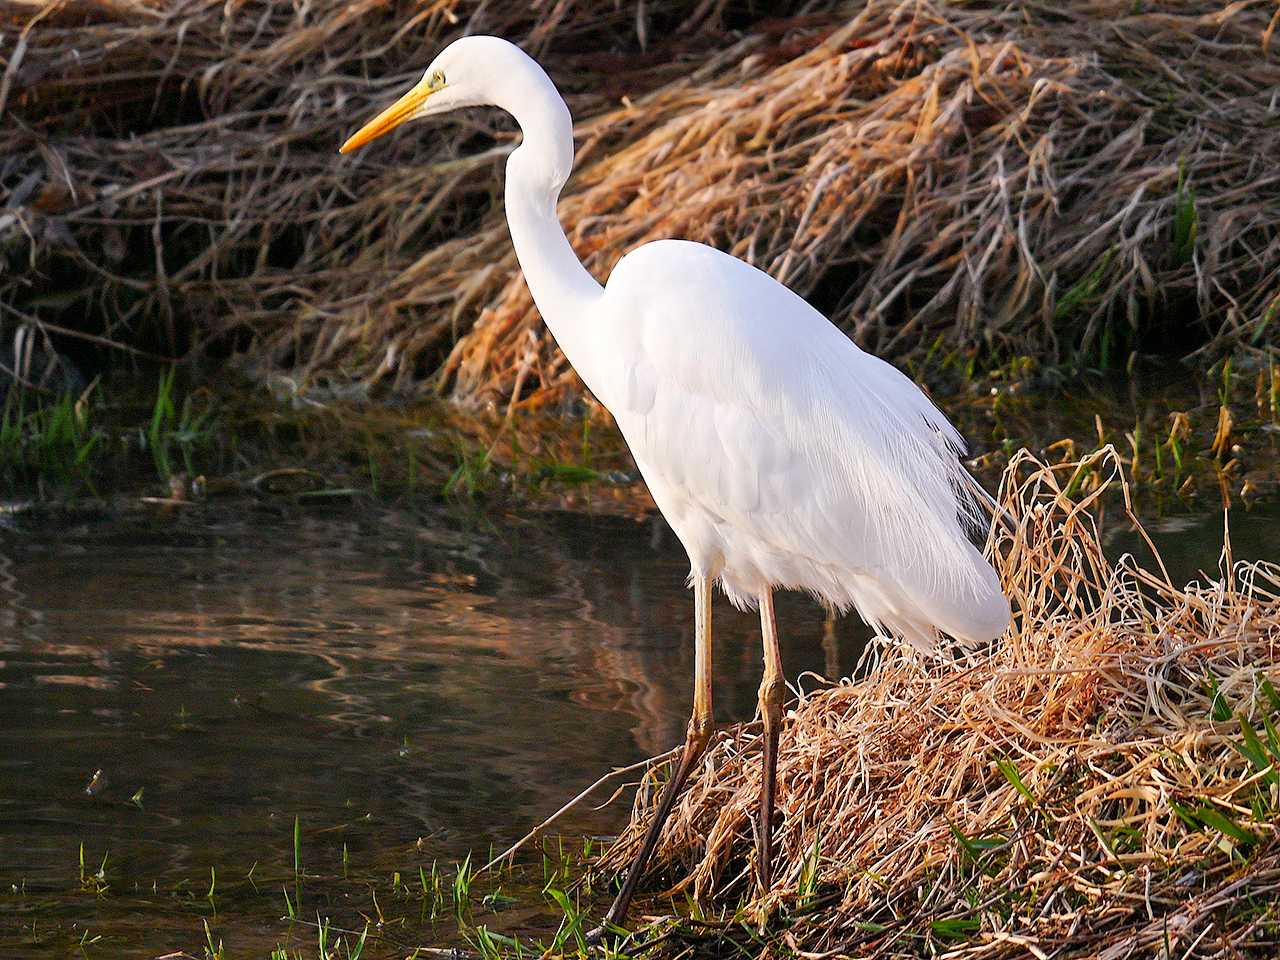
(470, 72)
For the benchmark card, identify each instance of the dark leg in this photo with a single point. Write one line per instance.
(772, 688)
(696, 740)
(830, 648)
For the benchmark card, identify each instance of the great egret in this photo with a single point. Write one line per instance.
(781, 454)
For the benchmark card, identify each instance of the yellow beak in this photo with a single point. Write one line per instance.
(390, 118)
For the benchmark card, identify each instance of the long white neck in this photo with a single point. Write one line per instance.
(536, 171)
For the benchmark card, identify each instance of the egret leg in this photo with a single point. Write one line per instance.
(772, 689)
(696, 740)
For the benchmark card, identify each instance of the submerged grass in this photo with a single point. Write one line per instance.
(74, 444)
(48, 443)
(1103, 782)
(346, 916)
(1215, 439)
(174, 443)
(173, 427)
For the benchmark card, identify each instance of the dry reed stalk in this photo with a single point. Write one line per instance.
(1118, 699)
(944, 179)
(170, 166)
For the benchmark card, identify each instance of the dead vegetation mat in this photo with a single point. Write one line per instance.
(946, 180)
(1103, 783)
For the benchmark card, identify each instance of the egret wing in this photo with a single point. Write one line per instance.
(746, 407)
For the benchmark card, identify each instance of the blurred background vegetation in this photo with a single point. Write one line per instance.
(1010, 201)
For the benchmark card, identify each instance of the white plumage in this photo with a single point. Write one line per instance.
(781, 454)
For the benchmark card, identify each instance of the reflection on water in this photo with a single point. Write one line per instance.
(1190, 545)
(409, 688)
(412, 689)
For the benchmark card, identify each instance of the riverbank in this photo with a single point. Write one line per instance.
(1102, 783)
(1062, 222)
(1038, 781)
(267, 720)
(957, 185)
(195, 437)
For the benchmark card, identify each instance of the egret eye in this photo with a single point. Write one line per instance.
(436, 80)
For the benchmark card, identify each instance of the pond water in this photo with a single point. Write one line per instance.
(407, 685)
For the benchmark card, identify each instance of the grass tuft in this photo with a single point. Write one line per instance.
(962, 182)
(1144, 802)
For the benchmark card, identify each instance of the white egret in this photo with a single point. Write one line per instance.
(781, 454)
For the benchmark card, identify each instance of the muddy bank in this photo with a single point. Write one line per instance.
(176, 438)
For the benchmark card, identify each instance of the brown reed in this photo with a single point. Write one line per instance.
(946, 180)
(1103, 782)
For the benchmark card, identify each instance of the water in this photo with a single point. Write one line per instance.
(414, 688)
(410, 687)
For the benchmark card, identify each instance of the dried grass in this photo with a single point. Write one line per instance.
(1117, 697)
(170, 166)
(945, 179)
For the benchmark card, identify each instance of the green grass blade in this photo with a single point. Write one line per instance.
(1253, 751)
(956, 928)
(1010, 771)
(1219, 709)
(1270, 693)
(1219, 821)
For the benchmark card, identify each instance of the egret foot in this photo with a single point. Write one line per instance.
(772, 690)
(764, 819)
(695, 745)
